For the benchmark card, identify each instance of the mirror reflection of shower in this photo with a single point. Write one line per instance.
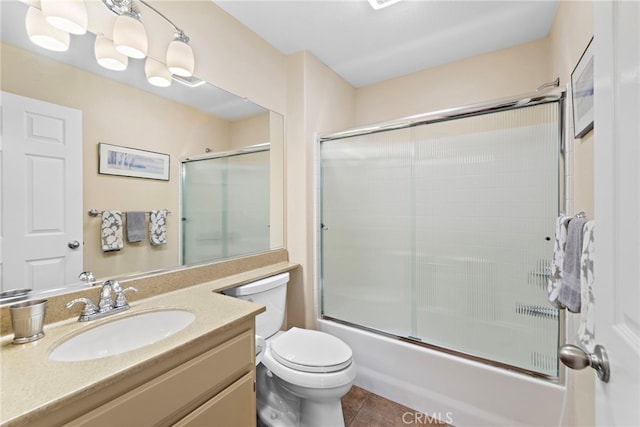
(225, 204)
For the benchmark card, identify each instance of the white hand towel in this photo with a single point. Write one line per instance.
(158, 227)
(569, 294)
(555, 275)
(111, 231)
(587, 315)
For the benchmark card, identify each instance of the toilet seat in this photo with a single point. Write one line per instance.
(310, 351)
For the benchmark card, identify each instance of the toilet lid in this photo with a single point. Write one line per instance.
(310, 351)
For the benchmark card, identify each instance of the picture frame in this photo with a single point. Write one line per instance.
(132, 162)
(582, 93)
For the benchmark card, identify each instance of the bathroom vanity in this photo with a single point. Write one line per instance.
(203, 374)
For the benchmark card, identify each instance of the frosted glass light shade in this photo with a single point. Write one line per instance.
(180, 59)
(107, 55)
(157, 73)
(130, 37)
(66, 15)
(44, 34)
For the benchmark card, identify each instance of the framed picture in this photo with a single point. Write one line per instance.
(124, 161)
(582, 93)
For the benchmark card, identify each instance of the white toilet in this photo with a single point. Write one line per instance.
(301, 373)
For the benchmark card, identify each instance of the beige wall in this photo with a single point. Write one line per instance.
(569, 36)
(494, 75)
(250, 131)
(230, 55)
(318, 101)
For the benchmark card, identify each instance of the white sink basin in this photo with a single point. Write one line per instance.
(122, 335)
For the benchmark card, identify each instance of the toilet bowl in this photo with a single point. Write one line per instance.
(301, 374)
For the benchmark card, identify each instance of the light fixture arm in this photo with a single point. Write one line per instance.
(179, 34)
(127, 7)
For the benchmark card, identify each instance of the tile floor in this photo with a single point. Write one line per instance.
(362, 408)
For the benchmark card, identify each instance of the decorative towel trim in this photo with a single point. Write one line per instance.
(555, 275)
(586, 332)
(158, 227)
(112, 231)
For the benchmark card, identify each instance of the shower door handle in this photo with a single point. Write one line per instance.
(576, 358)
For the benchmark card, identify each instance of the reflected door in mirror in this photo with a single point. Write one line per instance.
(41, 215)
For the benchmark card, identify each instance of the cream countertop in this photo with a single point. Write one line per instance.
(31, 384)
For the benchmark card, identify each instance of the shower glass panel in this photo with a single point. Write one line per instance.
(442, 233)
(225, 206)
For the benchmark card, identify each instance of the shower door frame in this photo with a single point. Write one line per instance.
(208, 156)
(551, 95)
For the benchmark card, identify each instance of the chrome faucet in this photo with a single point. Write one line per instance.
(106, 305)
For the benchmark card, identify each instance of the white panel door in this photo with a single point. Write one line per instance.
(41, 194)
(617, 204)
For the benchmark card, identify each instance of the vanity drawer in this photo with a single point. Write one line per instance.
(233, 407)
(175, 394)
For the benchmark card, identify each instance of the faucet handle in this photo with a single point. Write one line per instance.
(87, 276)
(120, 298)
(88, 310)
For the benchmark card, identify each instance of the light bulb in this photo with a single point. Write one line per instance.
(66, 15)
(44, 34)
(130, 37)
(107, 55)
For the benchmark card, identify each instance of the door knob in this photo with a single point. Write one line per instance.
(576, 358)
(73, 244)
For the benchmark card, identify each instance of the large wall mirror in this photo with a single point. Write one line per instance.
(120, 108)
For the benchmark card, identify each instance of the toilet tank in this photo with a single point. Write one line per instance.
(270, 292)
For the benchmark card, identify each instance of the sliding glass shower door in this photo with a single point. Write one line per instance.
(442, 233)
(225, 206)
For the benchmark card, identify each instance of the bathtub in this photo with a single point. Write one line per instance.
(451, 388)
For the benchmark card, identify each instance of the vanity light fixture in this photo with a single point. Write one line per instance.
(50, 26)
(66, 15)
(107, 55)
(379, 4)
(44, 34)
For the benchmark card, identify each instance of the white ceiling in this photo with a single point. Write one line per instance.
(366, 46)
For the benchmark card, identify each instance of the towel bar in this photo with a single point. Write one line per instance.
(95, 212)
